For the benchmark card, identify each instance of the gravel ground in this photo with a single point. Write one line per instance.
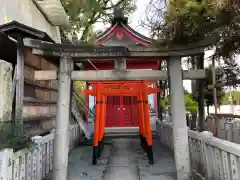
(122, 159)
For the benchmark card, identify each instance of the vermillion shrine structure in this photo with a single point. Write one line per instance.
(122, 111)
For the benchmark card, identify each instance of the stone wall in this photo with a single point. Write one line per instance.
(39, 96)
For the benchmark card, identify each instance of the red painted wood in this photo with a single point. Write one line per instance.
(113, 114)
(126, 32)
(121, 111)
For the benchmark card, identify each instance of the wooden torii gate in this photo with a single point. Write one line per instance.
(69, 54)
(129, 88)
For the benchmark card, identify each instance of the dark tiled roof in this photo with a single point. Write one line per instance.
(15, 28)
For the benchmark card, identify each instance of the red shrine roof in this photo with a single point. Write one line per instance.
(120, 33)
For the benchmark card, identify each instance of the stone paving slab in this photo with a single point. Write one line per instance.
(122, 159)
(80, 164)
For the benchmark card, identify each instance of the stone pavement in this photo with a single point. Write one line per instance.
(122, 159)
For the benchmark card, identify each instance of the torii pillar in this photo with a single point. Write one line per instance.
(178, 111)
(61, 141)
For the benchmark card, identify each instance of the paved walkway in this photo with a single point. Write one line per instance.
(122, 159)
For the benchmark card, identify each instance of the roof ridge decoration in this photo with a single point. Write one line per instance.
(119, 28)
(119, 16)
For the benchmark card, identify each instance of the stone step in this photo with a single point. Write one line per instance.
(123, 132)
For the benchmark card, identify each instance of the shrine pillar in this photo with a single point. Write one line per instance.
(178, 114)
(61, 141)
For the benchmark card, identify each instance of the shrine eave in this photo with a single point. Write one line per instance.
(15, 29)
(8, 49)
(8, 39)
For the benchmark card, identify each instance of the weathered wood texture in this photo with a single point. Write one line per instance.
(5, 91)
(39, 96)
(33, 164)
(211, 158)
(18, 119)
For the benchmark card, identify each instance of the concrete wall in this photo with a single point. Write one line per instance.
(25, 12)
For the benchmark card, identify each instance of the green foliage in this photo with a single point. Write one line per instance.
(84, 14)
(184, 21)
(232, 97)
(164, 103)
(189, 20)
(11, 138)
(79, 86)
(190, 104)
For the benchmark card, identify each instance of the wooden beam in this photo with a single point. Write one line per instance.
(108, 75)
(39, 86)
(37, 102)
(19, 86)
(45, 75)
(14, 81)
(39, 118)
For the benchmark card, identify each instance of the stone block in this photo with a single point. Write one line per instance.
(5, 91)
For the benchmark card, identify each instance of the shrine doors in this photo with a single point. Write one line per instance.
(121, 111)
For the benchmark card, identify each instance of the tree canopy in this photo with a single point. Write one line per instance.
(183, 21)
(84, 14)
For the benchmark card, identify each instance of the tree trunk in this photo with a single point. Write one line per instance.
(193, 121)
(200, 94)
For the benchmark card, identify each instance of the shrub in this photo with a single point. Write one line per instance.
(12, 137)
